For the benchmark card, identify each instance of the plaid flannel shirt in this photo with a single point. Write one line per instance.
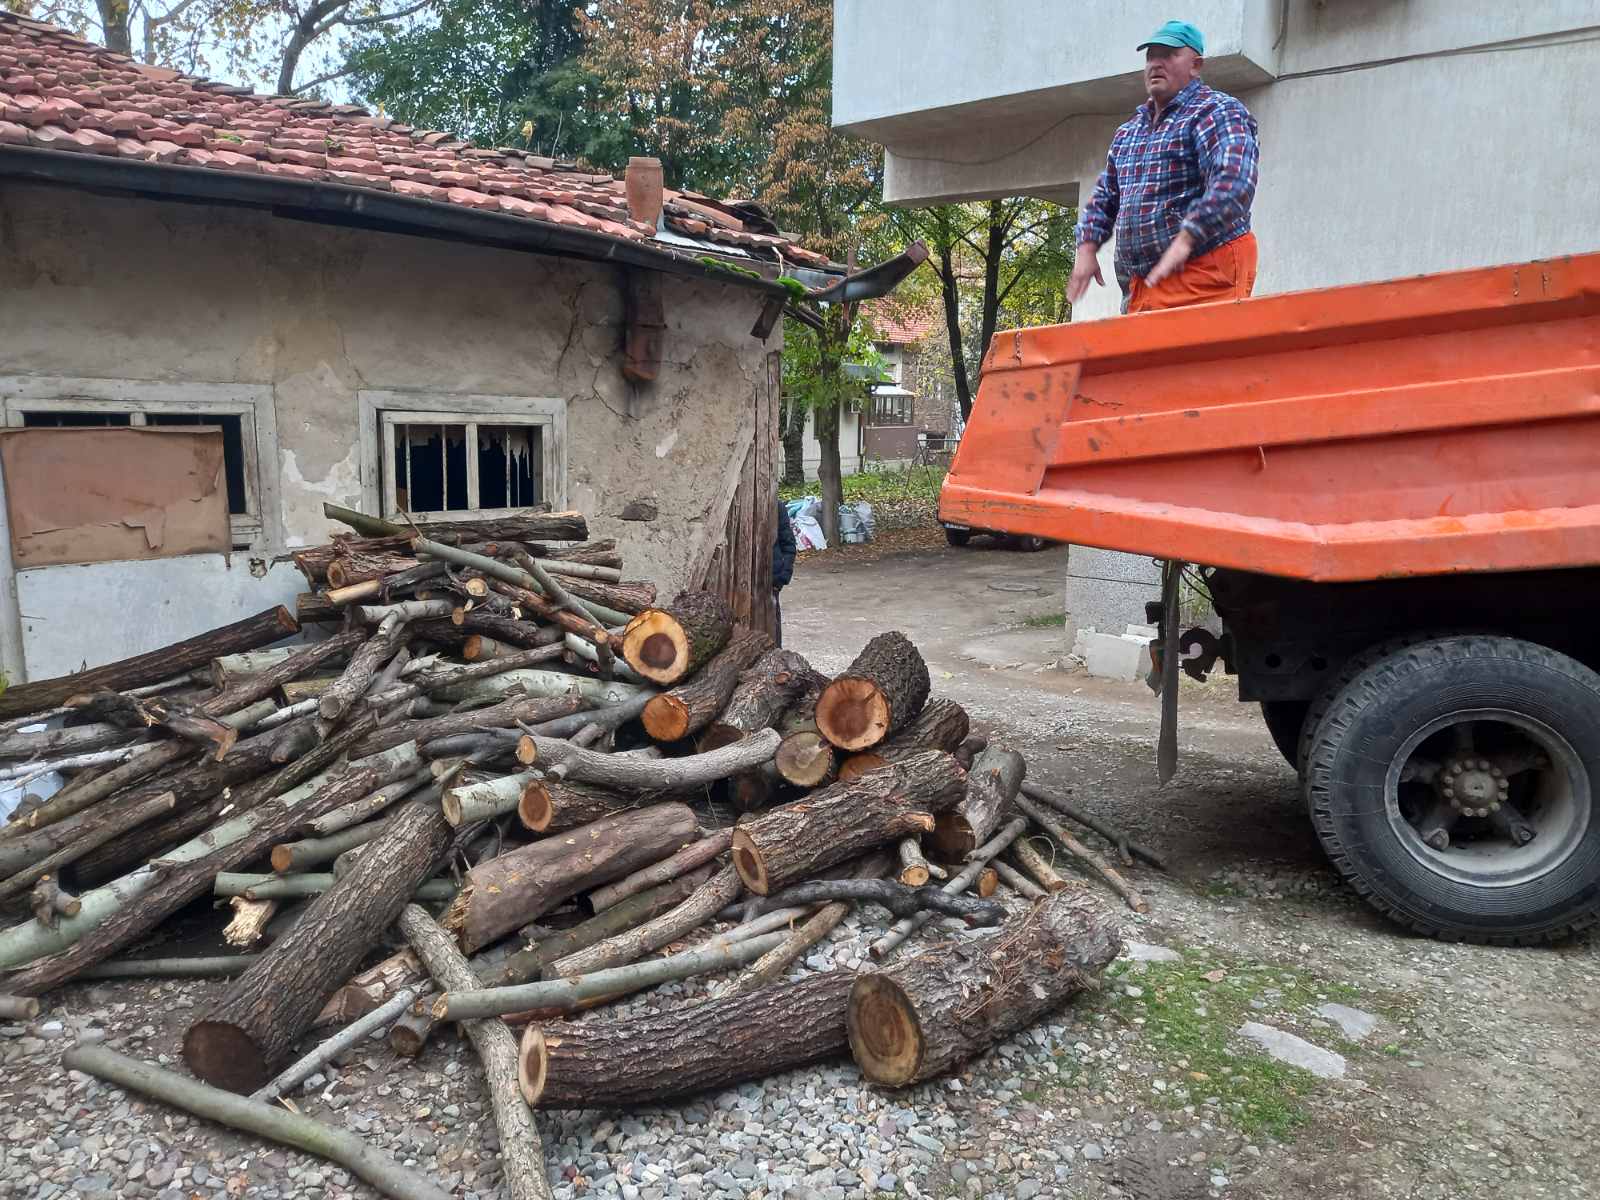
(1195, 169)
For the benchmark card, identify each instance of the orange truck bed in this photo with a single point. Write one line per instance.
(1423, 426)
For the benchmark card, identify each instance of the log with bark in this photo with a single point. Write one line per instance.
(634, 772)
(625, 596)
(161, 712)
(363, 665)
(272, 625)
(507, 892)
(1128, 849)
(929, 1014)
(695, 854)
(1017, 881)
(502, 630)
(941, 725)
(669, 644)
(706, 902)
(555, 806)
(521, 1151)
(878, 695)
(108, 827)
(766, 689)
(250, 1031)
(968, 878)
(348, 1150)
(18, 1008)
(992, 785)
(792, 842)
(521, 527)
(368, 806)
(508, 714)
(688, 1049)
(1034, 864)
(915, 869)
(50, 903)
(690, 707)
(893, 895)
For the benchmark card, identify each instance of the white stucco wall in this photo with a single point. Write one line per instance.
(849, 445)
(121, 289)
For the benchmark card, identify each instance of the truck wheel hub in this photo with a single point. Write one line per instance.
(1473, 786)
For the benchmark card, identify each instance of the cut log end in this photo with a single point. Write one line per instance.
(988, 883)
(534, 809)
(533, 1065)
(953, 837)
(853, 714)
(282, 858)
(666, 718)
(748, 862)
(656, 646)
(224, 1056)
(885, 1036)
(805, 759)
(914, 875)
(449, 802)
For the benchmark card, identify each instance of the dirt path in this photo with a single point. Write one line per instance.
(1479, 1079)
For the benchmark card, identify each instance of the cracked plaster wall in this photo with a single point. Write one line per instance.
(116, 288)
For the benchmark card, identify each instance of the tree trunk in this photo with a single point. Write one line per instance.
(830, 472)
(272, 625)
(690, 707)
(882, 692)
(950, 294)
(941, 725)
(794, 443)
(794, 841)
(766, 689)
(555, 526)
(929, 1014)
(521, 1151)
(670, 644)
(249, 1033)
(992, 785)
(554, 806)
(507, 892)
(688, 1049)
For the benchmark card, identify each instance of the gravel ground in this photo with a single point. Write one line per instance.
(1474, 1080)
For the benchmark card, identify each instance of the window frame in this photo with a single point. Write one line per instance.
(253, 529)
(381, 411)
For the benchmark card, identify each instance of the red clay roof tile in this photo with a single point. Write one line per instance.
(58, 92)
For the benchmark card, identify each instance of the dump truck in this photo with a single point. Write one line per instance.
(1391, 494)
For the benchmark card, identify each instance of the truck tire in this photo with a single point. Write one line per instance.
(1285, 719)
(1453, 783)
(1348, 670)
(1029, 543)
(957, 537)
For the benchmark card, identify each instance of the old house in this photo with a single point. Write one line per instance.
(352, 311)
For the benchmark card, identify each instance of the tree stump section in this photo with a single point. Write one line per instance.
(928, 1014)
(686, 1050)
(690, 707)
(670, 644)
(882, 692)
(794, 841)
(768, 687)
(248, 1035)
(992, 785)
(507, 892)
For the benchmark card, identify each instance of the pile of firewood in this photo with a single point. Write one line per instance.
(580, 782)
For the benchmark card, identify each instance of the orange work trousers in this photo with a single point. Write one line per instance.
(1226, 273)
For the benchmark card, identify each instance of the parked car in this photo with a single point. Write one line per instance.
(961, 535)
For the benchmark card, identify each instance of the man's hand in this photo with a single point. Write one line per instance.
(1172, 261)
(1085, 266)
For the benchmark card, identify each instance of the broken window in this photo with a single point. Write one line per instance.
(443, 463)
(236, 421)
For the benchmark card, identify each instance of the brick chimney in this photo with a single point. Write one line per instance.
(643, 185)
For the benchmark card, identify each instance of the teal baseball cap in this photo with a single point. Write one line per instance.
(1176, 34)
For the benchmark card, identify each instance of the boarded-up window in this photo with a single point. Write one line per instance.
(84, 494)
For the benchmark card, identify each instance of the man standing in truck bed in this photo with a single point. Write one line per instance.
(1176, 189)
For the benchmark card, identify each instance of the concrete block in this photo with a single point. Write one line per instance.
(1146, 632)
(1089, 562)
(1106, 604)
(1116, 656)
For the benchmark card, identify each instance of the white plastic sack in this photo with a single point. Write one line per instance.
(852, 529)
(808, 534)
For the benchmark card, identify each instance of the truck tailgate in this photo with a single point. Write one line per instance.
(1418, 426)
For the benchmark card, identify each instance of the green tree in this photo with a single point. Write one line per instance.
(501, 72)
(998, 258)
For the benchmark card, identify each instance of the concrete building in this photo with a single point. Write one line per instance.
(1398, 136)
(357, 313)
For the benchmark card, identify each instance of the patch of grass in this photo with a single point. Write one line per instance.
(1045, 621)
(1189, 1011)
(879, 487)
